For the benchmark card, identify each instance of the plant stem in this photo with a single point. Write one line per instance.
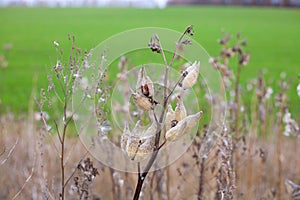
(237, 102)
(237, 112)
(278, 146)
(142, 176)
(201, 180)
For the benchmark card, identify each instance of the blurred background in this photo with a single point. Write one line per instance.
(150, 3)
(264, 134)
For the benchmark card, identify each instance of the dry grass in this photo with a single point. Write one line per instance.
(247, 157)
(181, 178)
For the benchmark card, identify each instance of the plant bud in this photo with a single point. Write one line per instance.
(142, 102)
(192, 75)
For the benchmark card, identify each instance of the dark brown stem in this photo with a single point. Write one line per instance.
(62, 154)
(201, 180)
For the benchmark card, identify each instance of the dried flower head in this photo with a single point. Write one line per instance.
(154, 44)
(189, 30)
(86, 173)
(245, 58)
(291, 126)
(225, 39)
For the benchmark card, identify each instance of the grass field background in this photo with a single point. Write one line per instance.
(272, 34)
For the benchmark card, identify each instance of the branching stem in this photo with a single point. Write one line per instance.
(157, 146)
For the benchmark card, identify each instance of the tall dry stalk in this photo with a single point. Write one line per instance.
(156, 46)
(282, 101)
(58, 99)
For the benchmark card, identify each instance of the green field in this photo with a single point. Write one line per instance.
(272, 34)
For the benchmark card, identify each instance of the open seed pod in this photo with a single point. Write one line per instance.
(139, 143)
(170, 116)
(144, 85)
(192, 73)
(183, 126)
(180, 111)
(142, 102)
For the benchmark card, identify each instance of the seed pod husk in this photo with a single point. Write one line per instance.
(192, 75)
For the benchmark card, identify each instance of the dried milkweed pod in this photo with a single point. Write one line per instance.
(192, 120)
(138, 143)
(144, 149)
(180, 111)
(142, 102)
(191, 75)
(183, 126)
(151, 130)
(132, 146)
(170, 116)
(129, 141)
(144, 85)
(176, 131)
